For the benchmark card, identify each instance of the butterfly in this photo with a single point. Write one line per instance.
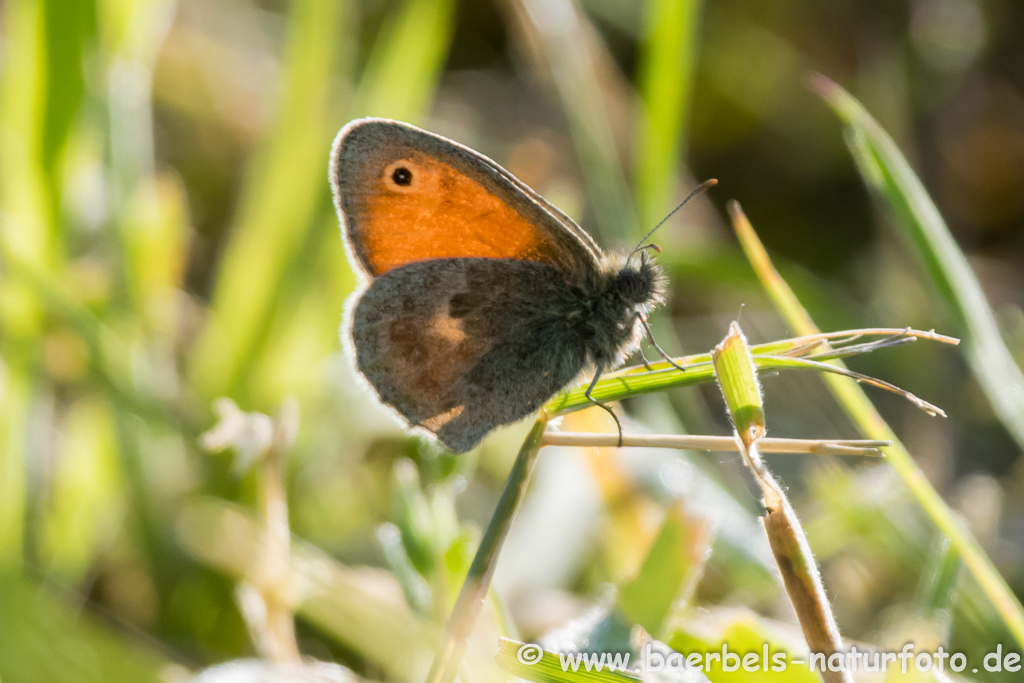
(479, 299)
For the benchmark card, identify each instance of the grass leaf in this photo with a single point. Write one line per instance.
(668, 52)
(635, 381)
(406, 60)
(577, 63)
(736, 374)
(871, 425)
(548, 667)
(670, 571)
(917, 219)
(278, 205)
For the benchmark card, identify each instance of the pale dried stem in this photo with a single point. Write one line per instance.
(799, 572)
(279, 642)
(266, 596)
(694, 442)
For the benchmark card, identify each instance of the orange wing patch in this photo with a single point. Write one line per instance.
(420, 208)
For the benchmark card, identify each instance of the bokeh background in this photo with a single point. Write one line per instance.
(168, 239)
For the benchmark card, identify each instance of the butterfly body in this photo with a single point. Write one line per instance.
(481, 300)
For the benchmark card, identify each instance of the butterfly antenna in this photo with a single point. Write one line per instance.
(710, 182)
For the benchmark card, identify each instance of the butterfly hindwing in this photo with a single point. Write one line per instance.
(461, 346)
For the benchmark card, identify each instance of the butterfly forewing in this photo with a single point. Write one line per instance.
(406, 195)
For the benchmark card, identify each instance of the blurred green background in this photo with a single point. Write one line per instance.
(167, 238)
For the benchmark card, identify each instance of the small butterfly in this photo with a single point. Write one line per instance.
(480, 300)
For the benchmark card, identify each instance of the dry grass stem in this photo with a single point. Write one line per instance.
(265, 596)
(737, 378)
(865, 447)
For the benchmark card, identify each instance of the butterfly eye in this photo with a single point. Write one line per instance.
(401, 175)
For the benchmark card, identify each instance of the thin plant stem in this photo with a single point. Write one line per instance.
(279, 643)
(266, 594)
(786, 353)
(697, 442)
(478, 581)
(892, 181)
(737, 378)
(800, 574)
(864, 415)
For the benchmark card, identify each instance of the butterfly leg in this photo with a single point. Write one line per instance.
(661, 351)
(647, 363)
(593, 382)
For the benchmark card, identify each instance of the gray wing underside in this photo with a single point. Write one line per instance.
(461, 346)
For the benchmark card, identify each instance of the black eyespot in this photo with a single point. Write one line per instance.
(402, 176)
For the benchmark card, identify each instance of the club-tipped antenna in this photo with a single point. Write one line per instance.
(710, 182)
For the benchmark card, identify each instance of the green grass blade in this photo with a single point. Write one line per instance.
(736, 374)
(576, 63)
(635, 381)
(892, 180)
(406, 61)
(478, 580)
(871, 425)
(87, 495)
(34, 131)
(68, 26)
(278, 203)
(15, 402)
(665, 82)
(627, 385)
(45, 639)
(547, 667)
(669, 573)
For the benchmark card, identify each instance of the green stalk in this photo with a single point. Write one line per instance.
(871, 425)
(737, 379)
(667, 56)
(478, 581)
(279, 204)
(918, 221)
(577, 65)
